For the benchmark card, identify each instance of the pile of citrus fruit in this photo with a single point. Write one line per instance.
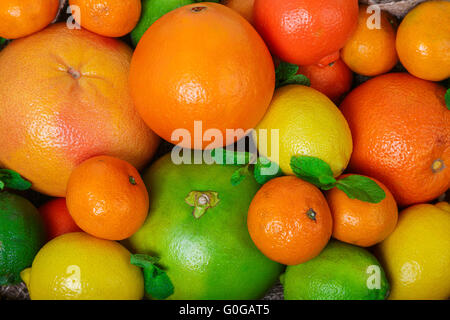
(180, 149)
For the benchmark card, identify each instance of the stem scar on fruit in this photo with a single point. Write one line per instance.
(132, 180)
(311, 214)
(202, 201)
(198, 9)
(437, 166)
(74, 73)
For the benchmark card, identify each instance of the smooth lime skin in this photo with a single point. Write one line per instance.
(22, 234)
(340, 272)
(152, 10)
(212, 257)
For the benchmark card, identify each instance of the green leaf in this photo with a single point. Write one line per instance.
(12, 180)
(156, 281)
(447, 99)
(239, 175)
(262, 163)
(361, 188)
(313, 170)
(230, 157)
(2, 185)
(286, 73)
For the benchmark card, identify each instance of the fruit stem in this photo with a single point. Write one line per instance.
(437, 166)
(311, 214)
(202, 201)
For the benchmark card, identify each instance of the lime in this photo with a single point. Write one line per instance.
(197, 226)
(21, 236)
(308, 124)
(78, 266)
(341, 272)
(416, 255)
(152, 10)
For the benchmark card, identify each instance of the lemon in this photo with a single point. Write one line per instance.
(416, 255)
(309, 124)
(77, 266)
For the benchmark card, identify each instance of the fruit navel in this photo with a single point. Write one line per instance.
(74, 73)
(437, 166)
(202, 201)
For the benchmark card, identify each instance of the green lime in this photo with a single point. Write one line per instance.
(341, 272)
(21, 236)
(197, 226)
(152, 10)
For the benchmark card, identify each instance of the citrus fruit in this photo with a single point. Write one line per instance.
(334, 80)
(362, 223)
(223, 79)
(20, 18)
(110, 18)
(416, 256)
(57, 218)
(289, 220)
(340, 272)
(371, 51)
(197, 227)
(309, 124)
(73, 105)
(77, 266)
(21, 236)
(401, 130)
(423, 41)
(306, 32)
(107, 198)
(152, 10)
(243, 7)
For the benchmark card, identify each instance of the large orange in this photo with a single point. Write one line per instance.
(20, 18)
(111, 18)
(334, 80)
(401, 135)
(362, 223)
(423, 41)
(371, 49)
(107, 198)
(289, 220)
(201, 62)
(65, 98)
(57, 218)
(243, 7)
(306, 32)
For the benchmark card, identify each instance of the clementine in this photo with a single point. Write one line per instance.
(371, 49)
(423, 41)
(57, 218)
(111, 18)
(202, 62)
(65, 98)
(306, 32)
(289, 220)
(333, 80)
(107, 198)
(20, 18)
(243, 7)
(362, 223)
(401, 135)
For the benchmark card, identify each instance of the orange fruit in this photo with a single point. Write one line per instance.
(110, 18)
(65, 98)
(334, 80)
(371, 50)
(243, 7)
(107, 198)
(362, 223)
(213, 68)
(57, 218)
(306, 32)
(401, 135)
(423, 41)
(289, 220)
(20, 18)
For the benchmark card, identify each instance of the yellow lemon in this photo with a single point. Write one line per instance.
(77, 266)
(303, 121)
(416, 256)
